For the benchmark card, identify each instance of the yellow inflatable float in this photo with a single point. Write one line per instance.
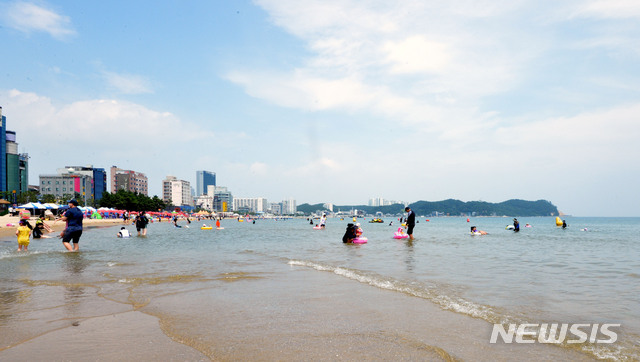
(558, 221)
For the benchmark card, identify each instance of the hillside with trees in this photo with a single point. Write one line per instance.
(452, 207)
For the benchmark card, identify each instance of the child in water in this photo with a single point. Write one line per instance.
(23, 233)
(358, 230)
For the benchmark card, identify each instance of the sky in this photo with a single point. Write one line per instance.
(336, 101)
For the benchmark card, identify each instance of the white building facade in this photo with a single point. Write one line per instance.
(289, 206)
(253, 204)
(177, 192)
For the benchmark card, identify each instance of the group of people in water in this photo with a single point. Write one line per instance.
(354, 231)
(25, 230)
(70, 235)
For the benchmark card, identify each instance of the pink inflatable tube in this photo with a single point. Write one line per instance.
(400, 234)
(360, 240)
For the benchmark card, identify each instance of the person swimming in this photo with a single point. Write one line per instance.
(475, 231)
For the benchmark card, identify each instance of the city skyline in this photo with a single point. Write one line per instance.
(334, 101)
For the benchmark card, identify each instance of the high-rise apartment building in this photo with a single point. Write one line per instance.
(177, 192)
(128, 180)
(203, 180)
(289, 207)
(14, 166)
(252, 204)
(3, 152)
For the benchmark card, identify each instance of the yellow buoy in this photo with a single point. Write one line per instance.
(558, 221)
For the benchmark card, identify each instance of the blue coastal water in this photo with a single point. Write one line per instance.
(541, 274)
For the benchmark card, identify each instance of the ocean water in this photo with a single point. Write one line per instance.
(248, 278)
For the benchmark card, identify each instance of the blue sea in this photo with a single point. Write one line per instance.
(290, 290)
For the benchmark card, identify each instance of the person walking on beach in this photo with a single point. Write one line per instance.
(73, 231)
(411, 221)
(23, 233)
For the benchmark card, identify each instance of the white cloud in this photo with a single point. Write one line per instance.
(412, 62)
(128, 83)
(606, 138)
(102, 132)
(610, 9)
(27, 17)
(417, 54)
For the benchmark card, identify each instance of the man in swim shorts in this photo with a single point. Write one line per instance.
(73, 217)
(411, 221)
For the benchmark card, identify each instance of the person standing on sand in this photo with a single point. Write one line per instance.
(411, 221)
(73, 231)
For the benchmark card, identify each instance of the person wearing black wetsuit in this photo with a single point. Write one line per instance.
(411, 221)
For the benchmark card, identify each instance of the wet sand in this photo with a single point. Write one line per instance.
(307, 315)
(292, 314)
(126, 336)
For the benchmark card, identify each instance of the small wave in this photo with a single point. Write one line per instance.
(417, 290)
(459, 305)
(7, 254)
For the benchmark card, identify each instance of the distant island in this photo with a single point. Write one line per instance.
(450, 207)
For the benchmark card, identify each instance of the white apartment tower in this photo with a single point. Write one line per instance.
(177, 192)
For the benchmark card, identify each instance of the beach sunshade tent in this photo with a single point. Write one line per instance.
(4, 202)
(32, 205)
